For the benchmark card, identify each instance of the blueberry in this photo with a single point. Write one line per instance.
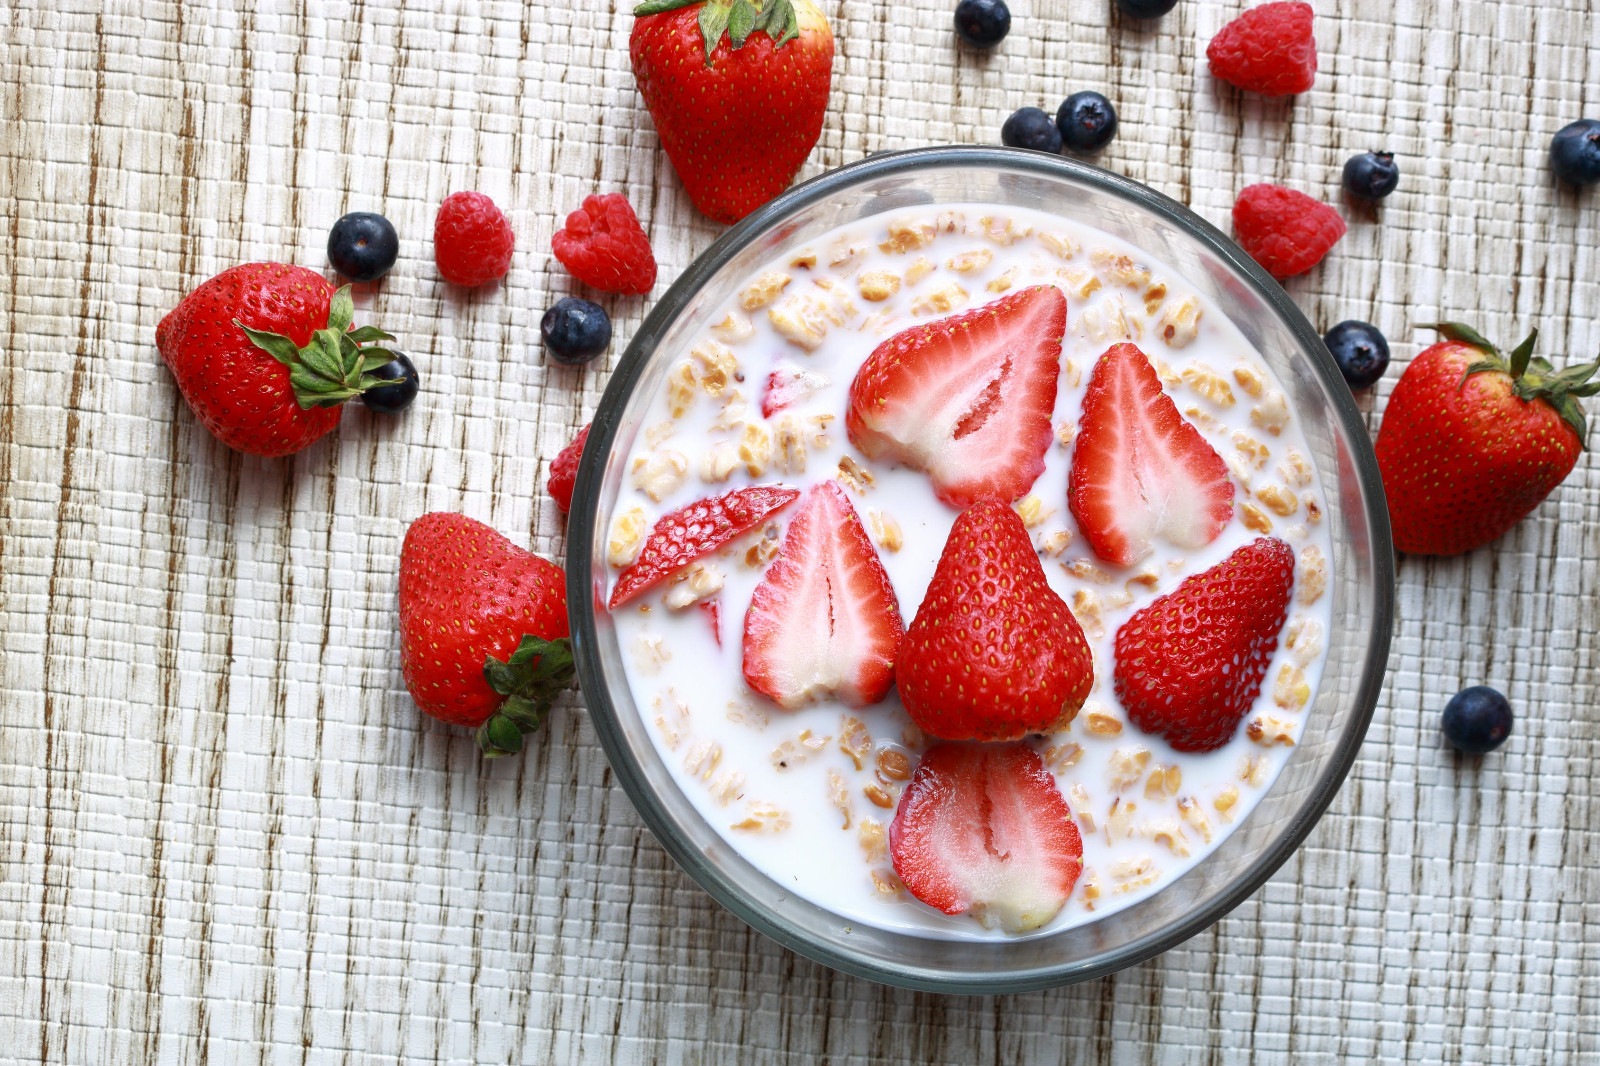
(1030, 127)
(1477, 720)
(1360, 351)
(362, 246)
(1146, 9)
(575, 331)
(983, 23)
(392, 399)
(1371, 175)
(1087, 122)
(1575, 152)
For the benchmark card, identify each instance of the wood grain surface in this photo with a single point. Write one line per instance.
(226, 834)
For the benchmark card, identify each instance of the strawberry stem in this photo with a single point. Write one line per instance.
(333, 367)
(737, 18)
(1532, 378)
(529, 679)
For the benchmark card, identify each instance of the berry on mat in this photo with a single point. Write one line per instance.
(1286, 231)
(993, 653)
(604, 246)
(363, 246)
(983, 23)
(1031, 127)
(1190, 664)
(1267, 50)
(1146, 9)
(1139, 468)
(1575, 152)
(967, 399)
(564, 471)
(472, 240)
(1087, 122)
(1477, 720)
(1361, 352)
(824, 622)
(679, 538)
(983, 829)
(575, 330)
(1371, 175)
(400, 374)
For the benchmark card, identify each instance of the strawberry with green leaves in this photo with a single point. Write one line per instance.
(737, 89)
(1473, 439)
(265, 356)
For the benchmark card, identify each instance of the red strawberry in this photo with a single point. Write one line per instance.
(1190, 664)
(1139, 469)
(564, 471)
(1267, 50)
(824, 621)
(604, 246)
(788, 385)
(737, 89)
(1472, 440)
(483, 629)
(713, 612)
(679, 538)
(994, 653)
(984, 829)
(1287, 232)
(265, 356)
(968, 399)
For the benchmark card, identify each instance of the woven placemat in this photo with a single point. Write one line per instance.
(226, 834)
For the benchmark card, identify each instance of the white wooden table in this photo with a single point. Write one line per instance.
(227, 836)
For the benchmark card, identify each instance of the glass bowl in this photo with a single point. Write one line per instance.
(1361, 579)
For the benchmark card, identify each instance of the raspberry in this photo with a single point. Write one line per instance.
(1267, 50)
(604, 246)
(564, 471)
(472, 240)
(1287, 232)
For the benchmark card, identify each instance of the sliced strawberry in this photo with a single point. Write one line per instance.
(713, 613)
(983, 829)
(564, 471)
(787, 386)
(1140, 470)
(824, 621)
(967, 399)
(679, 538)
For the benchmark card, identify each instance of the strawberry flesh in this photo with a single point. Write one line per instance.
(1139, 469)
(679, 538)
(787, 386)
(967, 399)
(984, 829)
(1189, 665)
(824, 621)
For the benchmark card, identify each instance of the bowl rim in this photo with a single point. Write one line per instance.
(584, 512)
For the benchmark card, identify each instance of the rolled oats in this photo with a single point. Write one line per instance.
(878, 796)
(967, 262)
(734, 328)
(1120, 268)
(681, 389)
(946, 297)
(1078, 282)
(1003, 231)
(1272, 413)
(907, 235)
(659, 475)
(1089, 612)
(854, 740)
(790, 445)
(1251, 450)
(1154, 297)
(878, 285)
(1102, 723)
(1059, 244)
(1209, 385)
(1267, 730)
(762, 817)
(1164, 782)
(1280, 502)
(1205, 422)
(1250, 380)
(839, 796)
(1312, 580)
(1055, 542)
(1078, 800)
(1291, 691)
(1127, 766)
(1004, 282)
(1062, 757)
(1225, 801)
(1304, 641)
(805, 260)
(1032, 511)
(1254, 518)
(1119, 820)
(1168, 833)
(884, 531)
(873, 840)
(693, 584)
(765, 547)
(718, 367)
(887, 883)
(1179, 324)
(702, 759)
(728, 787)
(853, 475)
(919, 270)
(1189, 809)
(763, 290)
(755, 449)
(627, 537)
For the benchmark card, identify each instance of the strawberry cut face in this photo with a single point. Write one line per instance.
(824, 621)
(967, 399)
(1140, 470)
(984, 829)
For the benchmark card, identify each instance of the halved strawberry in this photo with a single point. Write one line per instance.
(967, 399)
(983, 829)
(824, 621)
(679, 538)
(788, 385)
(1139, 469)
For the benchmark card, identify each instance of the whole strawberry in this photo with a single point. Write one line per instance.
(994, 653)
(737, 89)
(265, 356)
(483, 629)
(1472, 440)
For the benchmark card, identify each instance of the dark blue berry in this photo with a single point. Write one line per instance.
(1477, 720)
(1360, 351)
(392, 399)
(1087, 122)
(983, 23)
(1030, 127)
(1575, 152)
(1371, 175)
(362, 246)
(575, 331)
(1146, 9)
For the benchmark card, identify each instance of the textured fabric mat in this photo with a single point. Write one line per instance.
(226, 835)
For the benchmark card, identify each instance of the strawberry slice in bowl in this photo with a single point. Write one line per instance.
(1140, 470)
(787, 386)
(967, 399)
(696, 530)
(824, 621)
(983, 829)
